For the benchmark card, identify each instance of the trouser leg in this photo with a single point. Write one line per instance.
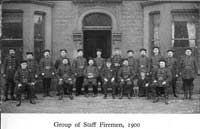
(6, 89)
(79, 84)
(12, 89)
(173, 83)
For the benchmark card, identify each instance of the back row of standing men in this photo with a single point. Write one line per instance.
(122, 74)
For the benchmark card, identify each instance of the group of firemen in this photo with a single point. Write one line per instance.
(150, 77)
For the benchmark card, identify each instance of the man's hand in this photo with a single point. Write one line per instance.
(36, 76)
(4, 75)
(155, 81)
(128, 79)
(42, 74)
(69, 79)
(122, 80)
(105, 79)
(53, 73)
(33, 83)
(113, 79)
(147, 84)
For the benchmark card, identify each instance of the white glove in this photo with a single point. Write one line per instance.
(128, 79)
(112, 79)
(33, 83)
(164, 83)
(147, 84)
(69, 79)
(42, 74)
(154, 81)
(105, 79)
(19, 85)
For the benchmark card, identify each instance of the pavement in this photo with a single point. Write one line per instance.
(81, 104)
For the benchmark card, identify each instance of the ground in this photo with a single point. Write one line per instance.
(81, 104)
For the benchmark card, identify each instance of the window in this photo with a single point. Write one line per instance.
(184, 29)
(12, 32)
(154, 29)
(39, 39)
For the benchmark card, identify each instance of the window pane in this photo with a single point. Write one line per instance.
(181, 29)
(12, 26)
(39, 26)
(181, 43)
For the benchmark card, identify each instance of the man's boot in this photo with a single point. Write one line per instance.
(20, 101)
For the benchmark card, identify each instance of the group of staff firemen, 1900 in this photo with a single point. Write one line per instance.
(149, 77)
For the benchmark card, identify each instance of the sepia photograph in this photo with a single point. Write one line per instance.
(100, 56)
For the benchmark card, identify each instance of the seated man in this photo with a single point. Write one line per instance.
(108, 79)
(24, 82)
(91, 74)
(144, 85)
(65, 78)
(161, 82)
(126, 75)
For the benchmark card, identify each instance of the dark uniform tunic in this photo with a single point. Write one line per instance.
(27, 81)
(11, 64)
(47, 72)
(59, 62)
(66, 78)
(108, 74)
(155, 63)
(126, 75)
(144, 86)
(116, 63)
(99, 62)
(79, 65)
(143, 64)
(132, 62)
(163, 75)
(91, 74)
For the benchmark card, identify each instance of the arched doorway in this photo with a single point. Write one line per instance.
(97, 30)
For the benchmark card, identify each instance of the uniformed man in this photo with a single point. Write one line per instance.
(172, 64)
(79, 65)
(161, 81)
(108, 78)
(47, 71)
(9, 68)
(143, 62)
(24, 82)
(126, 75)
(63, 55)
(155, 61)
(91, 74)
(32, 67)
(116, 63)
(99, 62)
(144, 85)
(188, 73)
(65, 78)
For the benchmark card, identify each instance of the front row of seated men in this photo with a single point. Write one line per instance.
(126, 75)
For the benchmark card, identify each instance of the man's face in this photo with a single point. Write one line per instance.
(130, 54)
(80, 53)
(46, 54)
(23, 65)
(125, 63)
(188, 52)
(108, 64)
(11, 52)
(65, 61)
(117, 52)
(29, 56)
(63, 53)
(170, 53)
(99, 53)
(162, 64)
(91, 62)
(143, 52)
(156, 51)
(142, 74)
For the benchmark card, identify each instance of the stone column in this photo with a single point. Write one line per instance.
(116, 40)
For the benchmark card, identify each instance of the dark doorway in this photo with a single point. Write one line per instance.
(97, 39)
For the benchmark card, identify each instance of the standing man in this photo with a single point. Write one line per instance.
(33, 68)
(47, 72)
(25, 82)
(143, 62)
(116, 63)
(10, 66)
(172, 65)
(99, 62)
(63, 55)
(79, 65)
(189, 70)
(155, 61)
